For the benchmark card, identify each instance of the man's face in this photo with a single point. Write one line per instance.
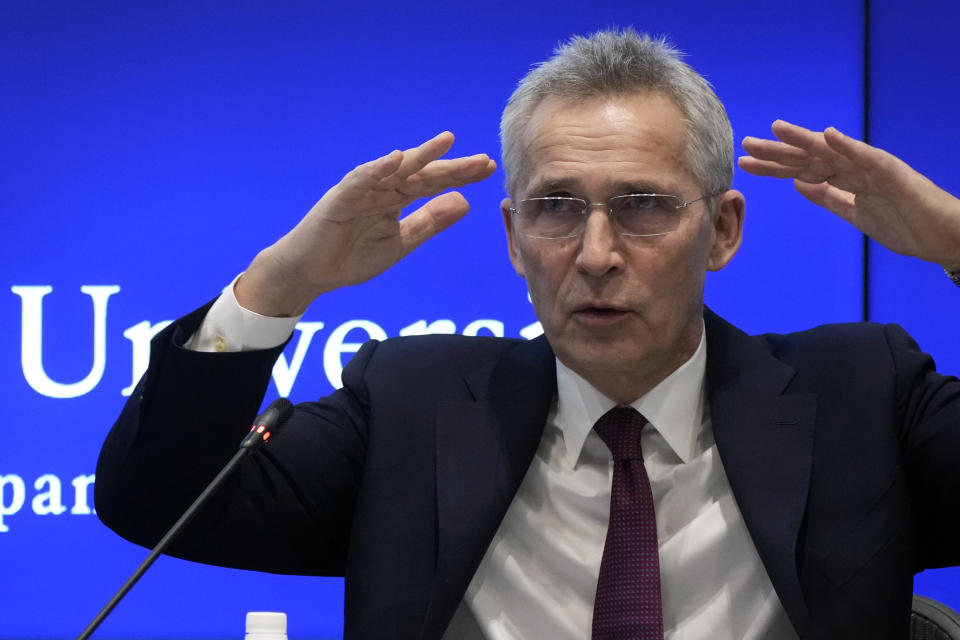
(621, 311)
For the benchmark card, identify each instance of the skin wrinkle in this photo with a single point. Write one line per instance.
(590, 140)
(645, 294)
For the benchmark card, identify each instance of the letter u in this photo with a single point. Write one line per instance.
(31, 340)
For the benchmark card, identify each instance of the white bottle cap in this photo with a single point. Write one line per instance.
(267, 625)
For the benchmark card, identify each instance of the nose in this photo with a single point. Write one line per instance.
(599, 243)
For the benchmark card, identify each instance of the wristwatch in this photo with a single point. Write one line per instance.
(953, 275)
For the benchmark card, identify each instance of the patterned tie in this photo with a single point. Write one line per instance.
(628, 605)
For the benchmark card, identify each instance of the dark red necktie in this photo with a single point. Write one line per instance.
(628, 604)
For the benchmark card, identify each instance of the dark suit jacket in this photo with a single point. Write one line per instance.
(841, 444)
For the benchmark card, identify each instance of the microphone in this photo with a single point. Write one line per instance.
(265, 424)
(272, 418)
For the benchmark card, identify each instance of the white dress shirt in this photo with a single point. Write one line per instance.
(538, 578)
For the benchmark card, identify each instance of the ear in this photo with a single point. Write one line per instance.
(727, 229)
(515, 257)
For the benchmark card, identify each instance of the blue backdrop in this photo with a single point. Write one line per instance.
(148, 151)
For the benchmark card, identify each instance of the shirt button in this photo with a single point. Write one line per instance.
(220, 343)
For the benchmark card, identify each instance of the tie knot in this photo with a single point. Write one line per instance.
(620, 430)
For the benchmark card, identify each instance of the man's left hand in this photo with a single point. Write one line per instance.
(873, 190)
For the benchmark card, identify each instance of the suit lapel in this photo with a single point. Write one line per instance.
(483, 449)
(765, 440)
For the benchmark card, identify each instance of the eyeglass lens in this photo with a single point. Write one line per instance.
(633, 214)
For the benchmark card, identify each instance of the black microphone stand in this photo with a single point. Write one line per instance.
(266, 423)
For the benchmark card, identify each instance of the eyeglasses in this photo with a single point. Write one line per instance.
(634, 214)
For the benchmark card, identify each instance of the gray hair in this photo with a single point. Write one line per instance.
(623, 62)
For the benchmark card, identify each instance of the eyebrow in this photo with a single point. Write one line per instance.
(623, 188)
(555, 184)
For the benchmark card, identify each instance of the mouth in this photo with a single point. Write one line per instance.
(600, 314)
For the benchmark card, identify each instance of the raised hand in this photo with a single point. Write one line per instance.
(356, 232)
(875, 191)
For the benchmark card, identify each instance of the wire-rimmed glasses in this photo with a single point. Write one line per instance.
(633, 214)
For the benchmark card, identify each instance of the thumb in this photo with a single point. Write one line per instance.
(837, 201)
(432, 218)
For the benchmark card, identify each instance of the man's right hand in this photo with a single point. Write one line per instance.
(355, 231)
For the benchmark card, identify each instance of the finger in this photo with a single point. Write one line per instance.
(813, 173)
(775, 151)
(440, 175)
(768, 168)
(418, 157)
(483, 169)
(871, 168)
(392, 198)
(856, 151)
(810, 141)
(838, 201)
(431, 181)
(432, 218)
(369, 174)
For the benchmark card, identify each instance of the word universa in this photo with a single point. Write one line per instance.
(284, 372)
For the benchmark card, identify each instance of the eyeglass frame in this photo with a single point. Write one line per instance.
(587, 206)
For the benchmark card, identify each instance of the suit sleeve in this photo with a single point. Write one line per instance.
(287, 509)
(929, 407)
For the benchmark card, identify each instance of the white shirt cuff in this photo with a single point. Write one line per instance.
(229, 327)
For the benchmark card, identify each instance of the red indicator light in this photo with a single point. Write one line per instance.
(260, 429)
(266, 436)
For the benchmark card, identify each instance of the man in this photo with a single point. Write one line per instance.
(460, 484)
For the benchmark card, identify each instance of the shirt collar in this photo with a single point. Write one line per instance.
(674, 407)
